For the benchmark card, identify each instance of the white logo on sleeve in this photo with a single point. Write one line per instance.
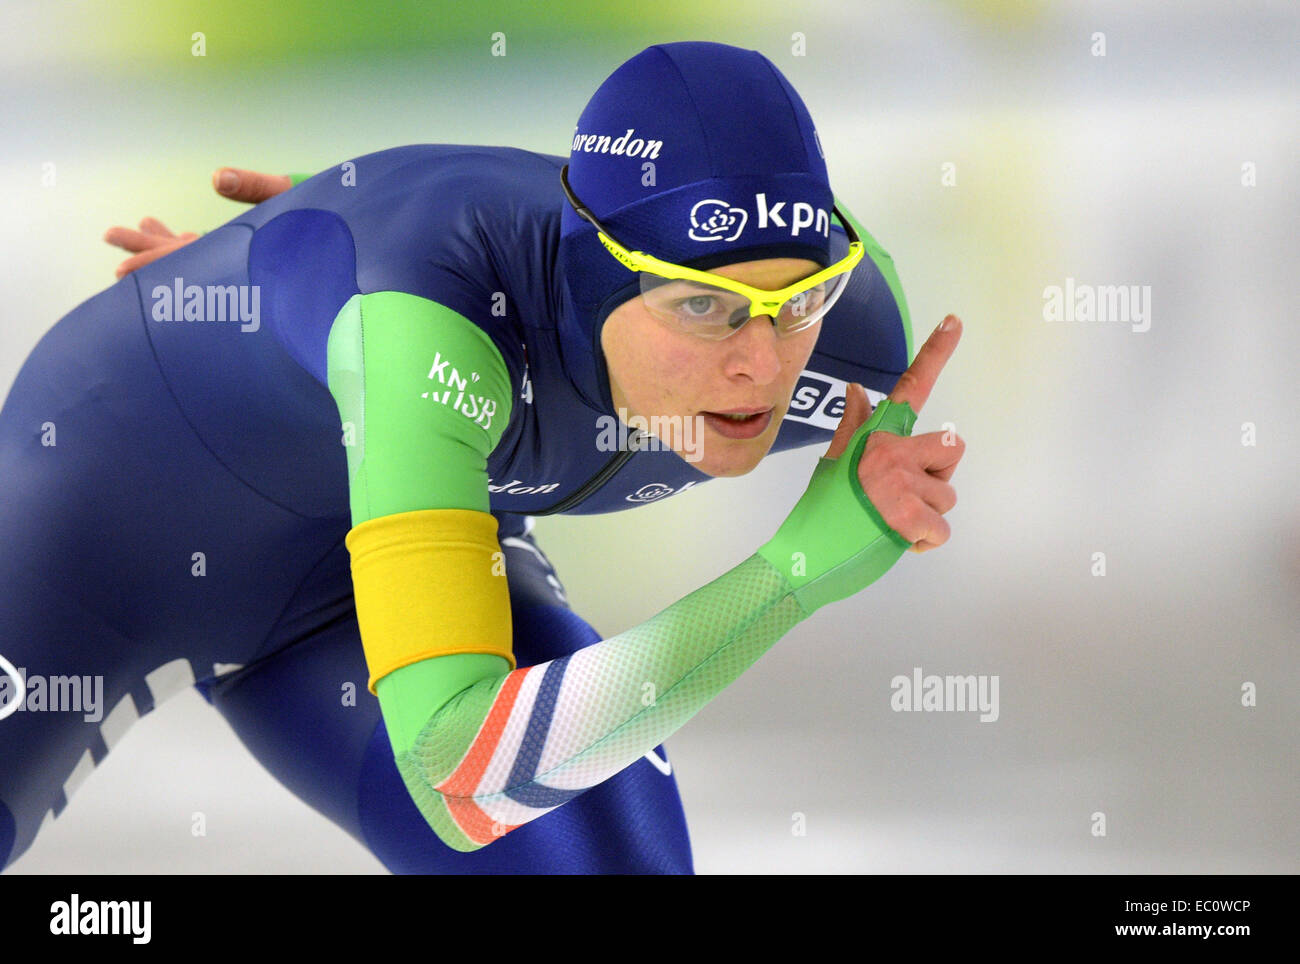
(457, 394)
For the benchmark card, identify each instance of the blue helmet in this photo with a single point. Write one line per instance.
(698, 153)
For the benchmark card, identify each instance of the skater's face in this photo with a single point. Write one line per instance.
(675, 381)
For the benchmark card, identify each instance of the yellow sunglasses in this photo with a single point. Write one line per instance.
(711, 306)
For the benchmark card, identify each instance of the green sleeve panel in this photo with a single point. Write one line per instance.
(296, 179)
(423, 395)
(411, 695)
(835, 542)
(576, 721)
(886, 265)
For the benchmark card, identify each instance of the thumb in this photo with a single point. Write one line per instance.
(252, 187)
(857, 409)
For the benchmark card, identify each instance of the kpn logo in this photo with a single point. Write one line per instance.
(713, 219)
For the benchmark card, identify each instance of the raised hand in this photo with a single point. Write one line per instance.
(154, 239)
(906, 476)
(151, 242)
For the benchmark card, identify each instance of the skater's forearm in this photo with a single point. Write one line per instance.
(511, 746)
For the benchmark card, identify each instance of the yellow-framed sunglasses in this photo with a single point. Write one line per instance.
(711, 306)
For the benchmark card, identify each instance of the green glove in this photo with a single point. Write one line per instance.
(834, 543)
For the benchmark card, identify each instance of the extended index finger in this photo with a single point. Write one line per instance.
(915, 384)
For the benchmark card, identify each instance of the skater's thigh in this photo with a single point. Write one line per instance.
(131, 562)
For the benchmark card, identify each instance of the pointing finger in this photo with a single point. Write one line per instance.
(915, 384)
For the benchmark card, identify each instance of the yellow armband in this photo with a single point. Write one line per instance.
(429, 583)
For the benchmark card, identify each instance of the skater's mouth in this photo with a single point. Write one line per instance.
(740, 423)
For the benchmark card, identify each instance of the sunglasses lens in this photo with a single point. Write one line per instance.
(691, 306)
(712, 312)
(808, 307)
